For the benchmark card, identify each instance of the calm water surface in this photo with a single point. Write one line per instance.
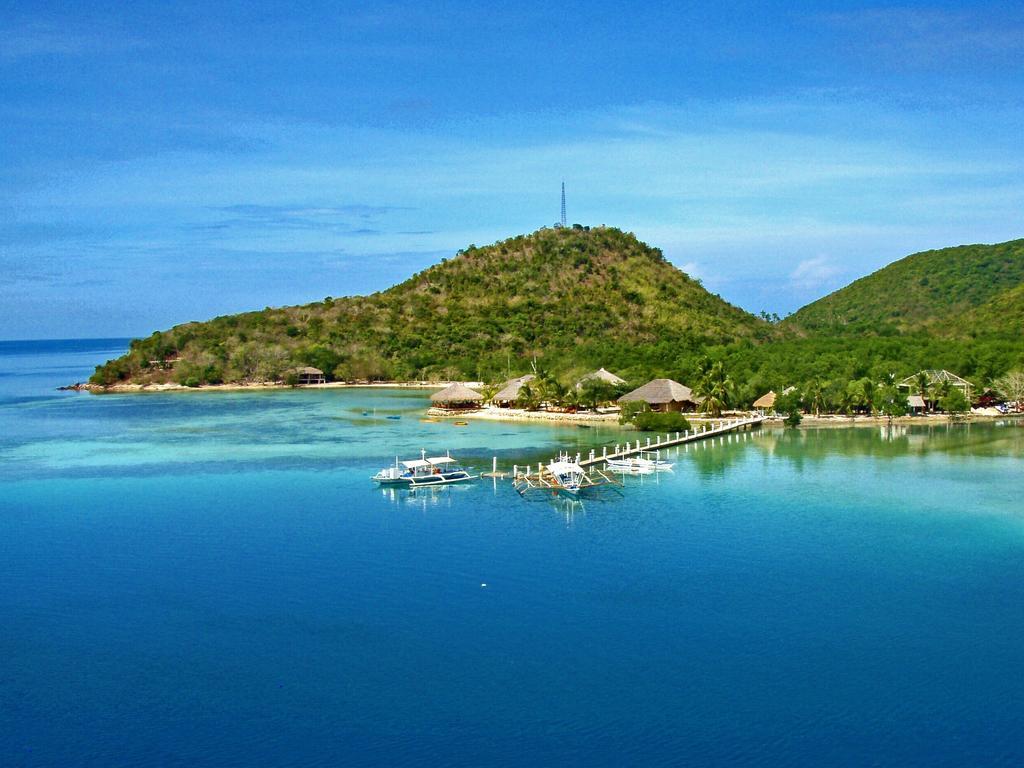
(209, 579)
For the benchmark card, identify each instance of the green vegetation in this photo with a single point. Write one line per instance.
(966, 291)
(651, 421)
(573, 298)
(576, 298)
(646, 420)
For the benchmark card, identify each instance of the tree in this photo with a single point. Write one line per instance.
(1011, 386)
(954, 403)
(715, 388)
(892, 402)
(789, 403)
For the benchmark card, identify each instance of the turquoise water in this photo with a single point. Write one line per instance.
(210, 579)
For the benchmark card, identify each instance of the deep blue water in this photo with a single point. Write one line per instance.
(209, 579)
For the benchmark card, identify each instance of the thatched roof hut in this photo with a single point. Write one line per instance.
(509, 393)
(765, 401)
(662, 394)
(456, 396)
(601, 375)
(310, 375)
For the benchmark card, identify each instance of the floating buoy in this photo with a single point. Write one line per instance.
(484, 585)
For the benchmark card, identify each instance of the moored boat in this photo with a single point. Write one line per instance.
(641, 463)
(433, 470)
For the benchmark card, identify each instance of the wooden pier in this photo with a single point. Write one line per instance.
(656, 443)
(640, 445)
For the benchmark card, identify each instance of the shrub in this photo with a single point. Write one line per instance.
(649, 421)
(793, 419)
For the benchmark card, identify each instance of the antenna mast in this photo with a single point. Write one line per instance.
(563, 203)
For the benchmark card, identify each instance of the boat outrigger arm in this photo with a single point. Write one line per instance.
(563, 477)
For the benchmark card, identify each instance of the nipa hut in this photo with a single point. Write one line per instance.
(509, 393)
(456, 397)
(309, 375)
(600, 375)
(767, 401)
(662, 395)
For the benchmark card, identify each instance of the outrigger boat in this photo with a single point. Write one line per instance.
(642, 463)
(415, 473)
(562, 477)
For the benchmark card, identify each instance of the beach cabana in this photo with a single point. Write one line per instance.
(310, 375)
(509, 392)
(916, 405)
(766, 401)
(606, 377)
(457, 397)
(663, 395)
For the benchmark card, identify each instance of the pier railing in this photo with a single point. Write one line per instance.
(658, 442)
(642, 445)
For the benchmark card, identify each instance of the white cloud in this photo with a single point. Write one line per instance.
(815, 273)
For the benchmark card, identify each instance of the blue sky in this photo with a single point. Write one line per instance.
(168, 162)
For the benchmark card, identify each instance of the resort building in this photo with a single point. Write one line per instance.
(509, 393)
(457, 397)
(916, 405)
(935, 381)
(309, 375)
(607, 377)
(663, 395)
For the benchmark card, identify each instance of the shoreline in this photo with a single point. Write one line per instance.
(519, 415)
(97, 389)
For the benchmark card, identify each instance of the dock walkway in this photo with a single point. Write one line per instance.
(659, 442)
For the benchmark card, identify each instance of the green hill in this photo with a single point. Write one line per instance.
(575, 298)
(969, 290)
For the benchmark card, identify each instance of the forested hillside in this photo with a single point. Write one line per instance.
(574, 298)
(969, 290)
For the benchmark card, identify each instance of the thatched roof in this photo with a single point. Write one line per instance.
(510, 391)
(767, 400)
(658, 392)
(310, 371)
(601, 375)
(456, 393)
(915, 401)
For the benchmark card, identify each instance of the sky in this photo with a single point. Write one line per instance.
(166, 162)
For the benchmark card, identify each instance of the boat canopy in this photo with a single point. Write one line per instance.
(415, 464)
(440, 460)
(564, 467)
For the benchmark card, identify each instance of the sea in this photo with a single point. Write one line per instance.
(211, 579)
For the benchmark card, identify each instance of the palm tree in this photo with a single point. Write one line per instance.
(814, 394)
(528, 397)
(922, 385)
(715, 387)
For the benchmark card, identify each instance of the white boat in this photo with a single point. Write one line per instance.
(569, 476)
(563, 476)
(642, 463)
(433, 470)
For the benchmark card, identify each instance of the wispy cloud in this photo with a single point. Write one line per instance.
(32, 40)
(926, 37)
(354, 219)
